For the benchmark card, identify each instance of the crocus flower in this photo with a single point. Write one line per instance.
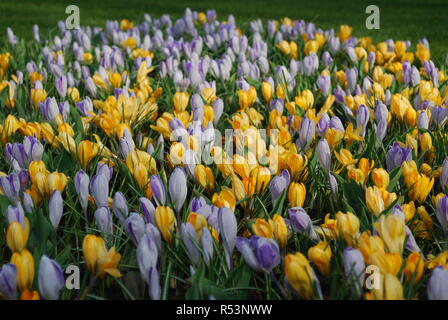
(442, 212)
(147, 209)
(324, 155)
(178, 188)
(354, 268)
(158, 190)
(11, 186)
(207, 245)
(444, 174)
(99, 186)
(306, 134)
(277, 186)
(8, 281)
(154, 288)
(301, 222)
(261, 254)
(147, 255)
(82, 188)
(135, 227)
(120, 207)
(438, 284)
(103, 220)
(228, 230)
(397, 155)
(51, 278)
(56, 207)
(188, 235)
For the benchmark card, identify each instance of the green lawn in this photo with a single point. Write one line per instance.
(400, 19)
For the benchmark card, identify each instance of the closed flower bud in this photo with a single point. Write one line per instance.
(320, 255)
(347, 227)
(300, 275)
(296, 194)
(280, 230)
(99, 261)
(263, 228)
(120, 207)
(56, 207)
(414, 268)
(8, 281)
(51, 278)
(438, 284)
(178, 188)
(164, 218)
(380, 178)
(17, 235)
(390, 289)
(354, 269)
(24, 263)
(392, 230)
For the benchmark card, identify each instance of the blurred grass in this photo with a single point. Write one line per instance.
(400, 19)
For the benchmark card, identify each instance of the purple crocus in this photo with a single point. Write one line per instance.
(10, 185)
(442, 212)
(51, 278)
(56, 207)
(324, 155)
(147, 209)
(397, 155)
(120, 207)
(147, 255)
(438, 284)
(261, 254)
(188, 235)
(158, 190)
(135, 227)
(82, 188)
(306, 134)
(99, 187)
(177, 187)
(444, 174)
(354, 268)
(8, 281)
(301, 222)
(228, 229)
(103, 220)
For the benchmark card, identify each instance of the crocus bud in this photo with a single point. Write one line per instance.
(24, 263)
(397, 155)
(56, 207)
(228, 230)
(354, 268)
(158, 190)
(207, 245)
(320, 255)
(17, 236)
(306, 134)
(414, 268)
(324, 155)
(442, 212)
(301, 222)
(147, 209)
(99, 186)
(218, 108)
(188, 235)
(51, 278)
(164, 218)
(178, 188)
(444, 174)
(438, 284)
(11, 186)
(154, 288)
(82, 188)
(423, 120)
(296, 194)
(135, 227)
(8, 281)
(147, 255)
(120, 207)
(28, 203)
(261, 254)
(103, 220)
(300, 275)
(392, 230)
(277, 186)
(362, 118)
(16, 214)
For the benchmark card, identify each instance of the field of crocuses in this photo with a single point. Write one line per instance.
(197, 158)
